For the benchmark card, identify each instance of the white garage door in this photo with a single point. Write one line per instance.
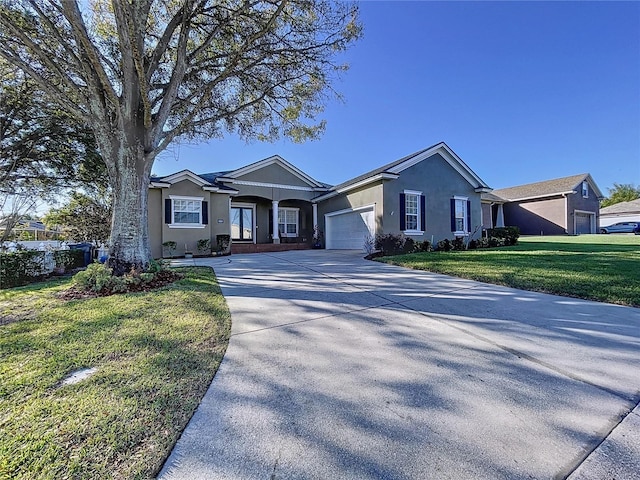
(348, 230)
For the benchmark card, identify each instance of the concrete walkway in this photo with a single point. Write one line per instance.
(341, 368)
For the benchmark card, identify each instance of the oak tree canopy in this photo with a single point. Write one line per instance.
(142, 73)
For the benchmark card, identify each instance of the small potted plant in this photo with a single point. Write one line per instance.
(222, 244)
(204, 247)
(170, 246)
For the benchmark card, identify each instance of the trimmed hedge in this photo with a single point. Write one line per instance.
(69, 259)
(397, 244)
(394, 244)
(507, 235)
(26, 266)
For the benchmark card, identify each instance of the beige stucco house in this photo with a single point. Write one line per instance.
(428, 195)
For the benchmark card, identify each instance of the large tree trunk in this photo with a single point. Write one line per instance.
(129, 225)
(129, 170)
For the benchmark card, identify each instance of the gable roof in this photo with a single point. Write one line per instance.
(547, 188)
(392, 170)
(632, 206)
(207, 182)
(277, 160)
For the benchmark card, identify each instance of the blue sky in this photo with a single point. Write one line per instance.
(521, 91)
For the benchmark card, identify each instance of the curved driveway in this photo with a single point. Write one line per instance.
(341, 368)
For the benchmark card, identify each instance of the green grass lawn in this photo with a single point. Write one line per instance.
(155, 353)
(605, 268)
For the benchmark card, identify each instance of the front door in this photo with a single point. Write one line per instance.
(242, 223)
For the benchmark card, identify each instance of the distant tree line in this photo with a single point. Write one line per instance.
(621, 192)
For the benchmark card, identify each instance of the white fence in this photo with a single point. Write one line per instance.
(38, 245)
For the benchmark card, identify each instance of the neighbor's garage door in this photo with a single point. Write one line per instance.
(348, 230)
(583, 223)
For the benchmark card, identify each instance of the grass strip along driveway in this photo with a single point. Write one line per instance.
(155, 354)
(605, 268)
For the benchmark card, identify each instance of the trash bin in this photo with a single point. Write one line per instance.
(86, 248)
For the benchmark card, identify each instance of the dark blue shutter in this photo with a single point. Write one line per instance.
(205, 213)
(403, 212)
(423, 215)
(468, 215)
(453, 214)
(271, 222)
(167, 210)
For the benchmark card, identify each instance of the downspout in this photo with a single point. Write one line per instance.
(566, 213)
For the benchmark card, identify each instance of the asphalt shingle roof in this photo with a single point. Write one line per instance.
(632, 206)
(541, 189)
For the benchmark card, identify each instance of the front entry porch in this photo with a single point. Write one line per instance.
(265, 225)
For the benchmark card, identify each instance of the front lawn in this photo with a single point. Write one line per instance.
(155, 354)
(604, 268)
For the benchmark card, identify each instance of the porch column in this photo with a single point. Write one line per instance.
(500, 216)
(276, 234)
(315, 215)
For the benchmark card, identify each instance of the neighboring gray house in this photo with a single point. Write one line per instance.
(620, 212)
(429, 195)
(568, 205)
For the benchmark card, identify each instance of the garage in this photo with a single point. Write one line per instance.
(347, 229)
(585, 222)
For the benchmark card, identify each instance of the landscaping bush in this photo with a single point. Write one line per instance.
(444, 245)
(26, 266)
(20, 268)
(99, 279)
(222, 243)
(424, 246)
(69, 259)
(458, 244)
(96, 277)
(390, 243)
(204, 246)
(170, 246)
(507, 235)
(409, 245)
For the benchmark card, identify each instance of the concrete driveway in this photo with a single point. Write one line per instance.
(341, 368)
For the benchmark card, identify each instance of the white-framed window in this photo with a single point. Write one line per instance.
(585, 189)
(288, 221)
(186, 212)
(413, 215)
(460, 215)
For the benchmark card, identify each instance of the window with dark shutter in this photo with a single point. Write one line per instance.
(460, 215)
(403, 220)
(453, 214)
(412, 214)
(205, 213)
(186, 212)
(167, 210)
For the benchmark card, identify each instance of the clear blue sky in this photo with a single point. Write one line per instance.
(521, 91)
